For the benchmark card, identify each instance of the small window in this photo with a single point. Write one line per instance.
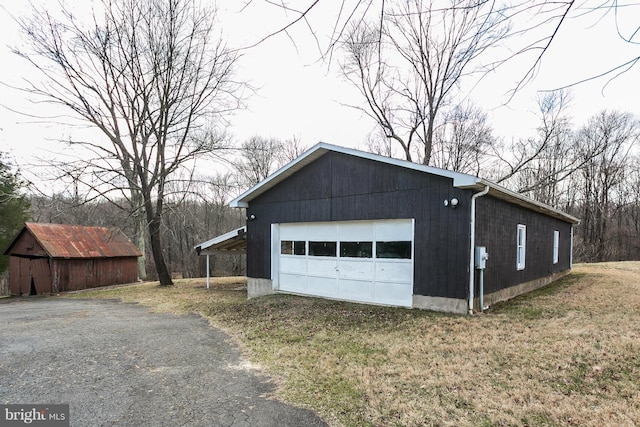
(290, 247)
(400, 250)
(322, 248)
(556, 245)
(356, 249)
(299, 247)
(521, 246)
(286, 247)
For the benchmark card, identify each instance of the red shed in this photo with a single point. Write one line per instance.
(50, 258)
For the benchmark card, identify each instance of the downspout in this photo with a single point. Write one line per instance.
(571, 249)
(472, 272)
(207, 271)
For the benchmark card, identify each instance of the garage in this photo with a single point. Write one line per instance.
(345, 224)
(362, 261)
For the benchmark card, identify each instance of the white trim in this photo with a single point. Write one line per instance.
(521, 247)
(571, 249)
(275, 256)
(556, 246)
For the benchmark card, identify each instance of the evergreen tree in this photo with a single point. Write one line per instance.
(14, 207)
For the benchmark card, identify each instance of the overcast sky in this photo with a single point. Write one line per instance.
(297, 94)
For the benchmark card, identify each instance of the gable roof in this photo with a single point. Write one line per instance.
(460, 180)
(75, 241)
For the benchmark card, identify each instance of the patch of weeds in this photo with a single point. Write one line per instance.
(484, 421)
(334, 392)
(538, 419)
(529, 307)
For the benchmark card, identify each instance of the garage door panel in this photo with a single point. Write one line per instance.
(356, 290)
(293, 282)
(394, 230)
(393, 293)
(359, 270)
(387, 271)
(322, 267)
(293, 264)
(321, 286)
(292, 231)
(356, 231)
(322, 232)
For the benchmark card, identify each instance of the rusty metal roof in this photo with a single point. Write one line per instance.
(75, 241)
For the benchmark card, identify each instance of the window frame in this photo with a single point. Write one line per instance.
(556, 246)
(383, 243)
(311, 247)
(521, 247)
(293, 247)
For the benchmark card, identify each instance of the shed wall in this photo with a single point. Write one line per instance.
(76, 274)
(340, 187)
(27, 245)
(496, 228)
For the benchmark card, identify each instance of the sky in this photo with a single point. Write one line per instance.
(299, 94)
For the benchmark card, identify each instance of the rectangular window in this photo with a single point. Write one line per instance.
(556, 245)
(356, 249)
(290, 247)
(401, 250)
(521, 246)
(322, 248)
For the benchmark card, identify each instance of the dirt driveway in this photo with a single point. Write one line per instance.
(118, 364)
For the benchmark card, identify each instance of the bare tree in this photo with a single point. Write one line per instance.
(539, 165)
(292, 149)
(464, 142)
(605, 143)
(152, 78)
(537, 25)
(259, 157)
(407, 68)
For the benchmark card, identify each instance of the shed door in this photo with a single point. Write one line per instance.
(363, 261)
(25, 272)
(41, 275)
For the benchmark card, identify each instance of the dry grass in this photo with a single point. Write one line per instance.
(565, 355)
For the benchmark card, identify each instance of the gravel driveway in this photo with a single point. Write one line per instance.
(118, 364)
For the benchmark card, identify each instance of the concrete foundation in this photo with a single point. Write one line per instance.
(447, 305)
(523, 288)
(259, 287)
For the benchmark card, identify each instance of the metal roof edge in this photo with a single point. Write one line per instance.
(503, 193)
(220, 238)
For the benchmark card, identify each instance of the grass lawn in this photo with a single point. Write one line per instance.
(566, 355)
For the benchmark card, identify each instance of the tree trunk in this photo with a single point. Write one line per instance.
(154, 221)
(140, 242)
(428, 143)
(156, 249)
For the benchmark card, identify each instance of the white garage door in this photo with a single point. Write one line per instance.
(364, 261)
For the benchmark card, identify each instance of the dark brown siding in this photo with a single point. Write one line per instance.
(26, 245)
(339, 187)
(496, 228)
(75, 274)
